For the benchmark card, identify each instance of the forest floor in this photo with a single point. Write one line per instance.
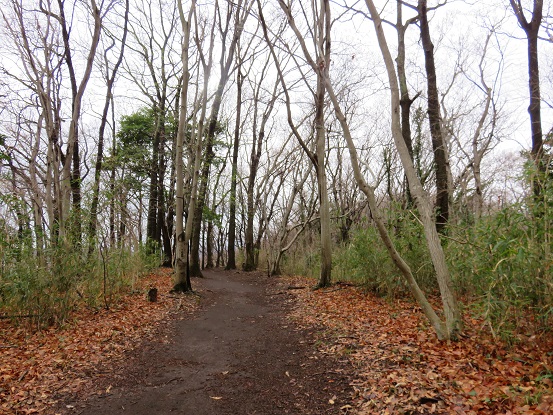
(246, 344)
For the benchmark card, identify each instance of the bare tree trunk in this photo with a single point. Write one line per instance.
(405, 101)
(438, 143)
(451, 309)
(320, 66)
(255, 156)
(231, 263)
(284, 232)
(110, 78)
(532, 28)
(241, 11)
(182, 279)
(70, 170)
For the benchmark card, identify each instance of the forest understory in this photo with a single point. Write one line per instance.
(391, 358)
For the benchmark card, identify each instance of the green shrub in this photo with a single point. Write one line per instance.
(364, 259)
(503, 263)
(45, 289)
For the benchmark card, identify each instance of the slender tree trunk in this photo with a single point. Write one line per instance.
(71, 165)
(438, 143)
(320, 66)
(451, 309)
(326, 246)
(151, 226)
(182, 278)
(93, 221)
(227, 57)
(231, 263)
(405, 101)
(532, 28)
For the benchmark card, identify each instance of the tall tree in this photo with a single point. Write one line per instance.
(438, 142)
(182, 278)
(110, 77)
(259, 131)
(151, 64)
(320, 64)
(240, 12)
(231, 260)
(71, 176)
(453, 321)
(531, 29)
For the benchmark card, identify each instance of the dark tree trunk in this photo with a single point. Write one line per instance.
(76, 227)
(438, 144)
(195, 264)
(231, 263)
(405, 101)
(209, 245)
(93, 222)
(250, 263)
(532, 28)
(151, 225)
(227, 58)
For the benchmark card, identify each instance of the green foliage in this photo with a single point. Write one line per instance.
(365, 259)
(44, 287)
(503, 263)
(303, 260)
(4, 156)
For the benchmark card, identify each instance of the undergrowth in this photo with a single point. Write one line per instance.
(501, 265)
(43, 289)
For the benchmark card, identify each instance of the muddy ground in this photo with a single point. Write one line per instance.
(239, 354)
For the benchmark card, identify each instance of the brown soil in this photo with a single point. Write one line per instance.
(240, 354)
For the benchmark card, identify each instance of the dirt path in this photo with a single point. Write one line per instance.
(238, 355)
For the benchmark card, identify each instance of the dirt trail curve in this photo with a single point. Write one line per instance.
(238, 355)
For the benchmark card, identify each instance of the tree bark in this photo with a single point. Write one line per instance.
(434, 118)
(532, 28)
(453, 324)
(70, 170)
(227, 57)
(110, 78)
(182, 278)
(231, 262)
(320, 66)
(405, 101)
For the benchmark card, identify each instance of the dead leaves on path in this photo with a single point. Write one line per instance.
(38, 367)
(401, 368)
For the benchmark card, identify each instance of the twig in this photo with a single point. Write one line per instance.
(294, 287)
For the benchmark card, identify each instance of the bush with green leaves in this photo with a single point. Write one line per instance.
(503, 265)
(44, 289)
(364, 258)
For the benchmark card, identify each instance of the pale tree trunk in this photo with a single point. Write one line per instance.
(43, 78)
(405, 101)
(241, 10)
(38, 208)
(268, 189)
(482, 138)
(197, 143)
(283, 231)
(214, 205)
(255, 157)
(381, 227)
(320, 65)
(182, 279)
(479, 146)
(453, 324)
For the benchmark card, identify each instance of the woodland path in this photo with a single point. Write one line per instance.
(237, 355)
